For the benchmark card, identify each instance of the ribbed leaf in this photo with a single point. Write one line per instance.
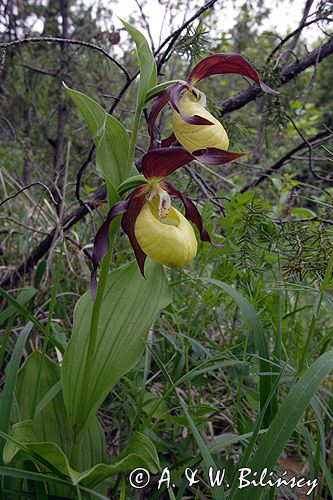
(140, 453)
(148, 75)
(129, 308)
(109, 135)
(18, 474)
(51, 422)
(11, 377)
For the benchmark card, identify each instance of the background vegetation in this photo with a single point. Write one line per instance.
(272, 209)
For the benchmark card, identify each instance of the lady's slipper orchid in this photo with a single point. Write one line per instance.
(153, 226)
(193, 126)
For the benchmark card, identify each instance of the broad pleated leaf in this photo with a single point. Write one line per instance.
(109, 135)
(148, 74)
(129, 308)
(11, 378)
(51, 423)
(49, 457)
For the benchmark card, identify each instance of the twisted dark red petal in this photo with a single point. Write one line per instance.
(136, 201)
(174, 101)
(167, 142)
(191, 212)
(218, 64)
(156, 108)
(215, 156)
(101, 241)
(159, 163)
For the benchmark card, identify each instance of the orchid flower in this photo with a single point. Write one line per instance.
(154, 227)
(193, 126)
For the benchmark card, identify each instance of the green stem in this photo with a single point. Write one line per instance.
(136, 123)
(322, 289)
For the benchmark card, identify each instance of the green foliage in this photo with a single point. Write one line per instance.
(148, 77)
(120, 339)
(287, 419)
(110, 138)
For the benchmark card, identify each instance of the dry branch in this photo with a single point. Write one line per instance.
(287, 74)
(313, 141)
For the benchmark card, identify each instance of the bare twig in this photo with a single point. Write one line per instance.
(171, 39)
(20, 223)
(307, 219)
(205, 188)
(146, 23)
(313, 141)
(287, 74)
(27, 187)
(292, 34)
(51, 39)
(310, 147)
(44, 246)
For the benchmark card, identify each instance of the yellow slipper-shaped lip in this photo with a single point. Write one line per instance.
(172, 243)
(194, 137)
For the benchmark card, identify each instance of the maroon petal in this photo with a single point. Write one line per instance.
(136, 202)
(166, 143)
(174, 101)
(156, 108)
(215, 156)
(101, 241)
(218, 64)
(161, 162)
(191, 213)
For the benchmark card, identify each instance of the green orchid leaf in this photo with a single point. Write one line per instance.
(24, 433)
(51, 423)
(148, 73)
(129, 308)
(155, 91)
(110, 138)
(11, 378)
(50, 458)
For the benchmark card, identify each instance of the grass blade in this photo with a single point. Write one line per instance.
(11, 377)
(286, 421)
